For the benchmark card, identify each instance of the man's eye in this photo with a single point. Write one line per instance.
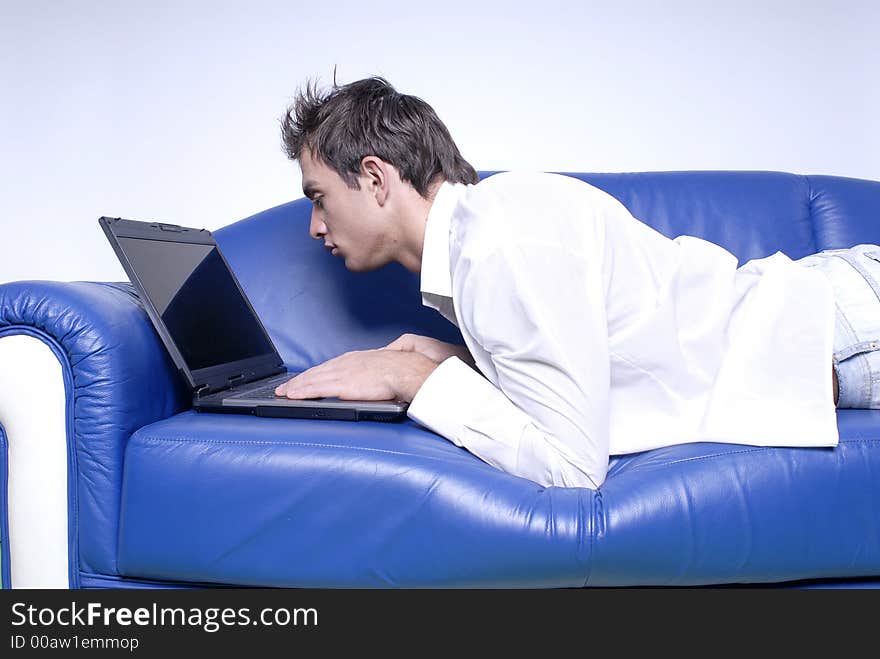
(318, 203)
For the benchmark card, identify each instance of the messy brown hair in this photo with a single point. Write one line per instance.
(369, 117)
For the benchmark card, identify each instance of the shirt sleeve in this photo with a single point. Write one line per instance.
(543, 413)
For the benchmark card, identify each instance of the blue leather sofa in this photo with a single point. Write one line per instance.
(161, 495)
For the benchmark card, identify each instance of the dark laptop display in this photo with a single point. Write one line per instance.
(183, 277)
(210, 328)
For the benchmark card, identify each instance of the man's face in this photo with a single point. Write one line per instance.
(349, 221)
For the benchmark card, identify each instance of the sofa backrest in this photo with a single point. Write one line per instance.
(314, 309)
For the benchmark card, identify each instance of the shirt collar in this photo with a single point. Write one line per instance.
(436, 278)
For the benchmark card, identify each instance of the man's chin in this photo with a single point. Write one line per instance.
(360, 265)
(354, 266)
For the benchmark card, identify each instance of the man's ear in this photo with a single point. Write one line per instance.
(377, 175)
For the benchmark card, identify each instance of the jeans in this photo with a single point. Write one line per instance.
(854, 274)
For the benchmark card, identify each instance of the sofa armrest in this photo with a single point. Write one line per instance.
(117, 377)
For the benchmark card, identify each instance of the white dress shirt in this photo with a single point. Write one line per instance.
(596, 335)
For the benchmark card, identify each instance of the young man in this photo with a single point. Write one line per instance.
(587, 332)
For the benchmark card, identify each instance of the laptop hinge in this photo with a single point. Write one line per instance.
(204, 390)
(235, 380)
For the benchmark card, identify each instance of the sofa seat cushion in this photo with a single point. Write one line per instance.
(238, 499)
(278, 502)
(706, 513)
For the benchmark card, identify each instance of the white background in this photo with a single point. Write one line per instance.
(169, 110)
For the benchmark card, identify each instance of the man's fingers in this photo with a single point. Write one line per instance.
(311, 390)
(318, 382)
(281, 389)
(360, 375)
(307, 376)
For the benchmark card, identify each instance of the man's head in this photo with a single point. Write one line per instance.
(371, 159)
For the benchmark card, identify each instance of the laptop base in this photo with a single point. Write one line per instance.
(272, 411)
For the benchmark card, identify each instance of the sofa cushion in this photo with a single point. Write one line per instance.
(244, 500)
(280, 502)
(723, 513)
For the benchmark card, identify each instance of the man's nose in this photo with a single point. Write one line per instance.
(317, 228)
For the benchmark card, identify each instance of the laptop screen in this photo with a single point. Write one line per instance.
(194, 293)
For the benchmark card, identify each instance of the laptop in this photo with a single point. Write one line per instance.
(210, 329)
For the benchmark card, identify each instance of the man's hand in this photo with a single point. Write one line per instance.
(363, 375)
(433, 349)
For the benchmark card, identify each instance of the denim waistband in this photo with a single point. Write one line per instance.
(855, 377)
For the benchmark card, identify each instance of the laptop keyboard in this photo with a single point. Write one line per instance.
(266, 391)
(262, 392)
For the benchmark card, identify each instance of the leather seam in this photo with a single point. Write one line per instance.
(591, 561)
(754, 450)
(5, 569)
(232, 442)
(811, 198)
(171, 583)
